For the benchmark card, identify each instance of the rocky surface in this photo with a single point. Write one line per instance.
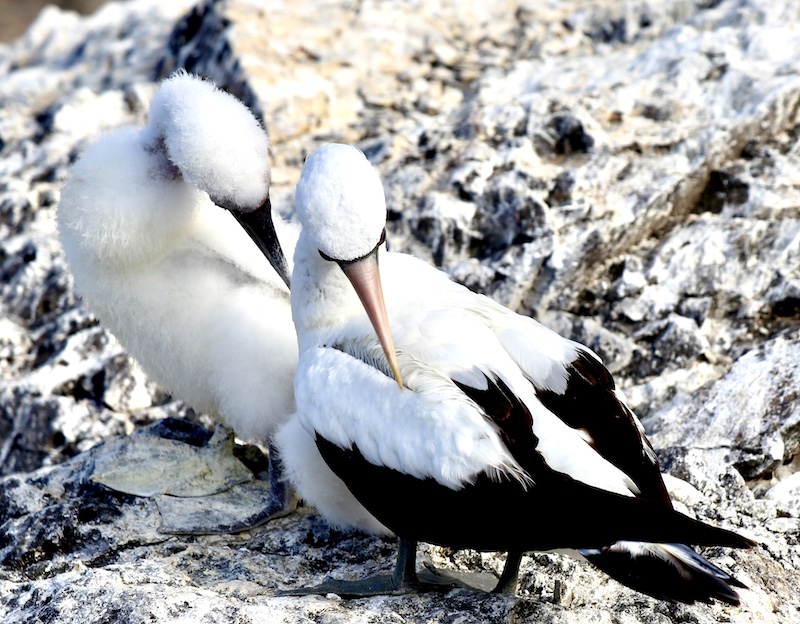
(625, 173)
(15, 16)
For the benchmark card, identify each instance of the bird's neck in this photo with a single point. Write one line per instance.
(325, 306)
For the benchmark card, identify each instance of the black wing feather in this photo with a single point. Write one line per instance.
(590, 403)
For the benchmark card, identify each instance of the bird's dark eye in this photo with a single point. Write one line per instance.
(327, 258)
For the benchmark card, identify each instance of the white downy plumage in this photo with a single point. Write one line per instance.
(175, 277)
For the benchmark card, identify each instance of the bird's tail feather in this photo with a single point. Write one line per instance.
(665, 571)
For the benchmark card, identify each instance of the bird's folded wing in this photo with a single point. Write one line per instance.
(436, 431)
(571, 382)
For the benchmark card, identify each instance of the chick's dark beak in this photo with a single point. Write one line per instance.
(260, 227)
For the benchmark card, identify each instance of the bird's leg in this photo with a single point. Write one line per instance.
(282, 500)
(279, 489)
(508, 579)
(406, 579)
(405, 568)
(403, 579)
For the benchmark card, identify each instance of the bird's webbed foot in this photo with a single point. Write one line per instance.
(404, 580)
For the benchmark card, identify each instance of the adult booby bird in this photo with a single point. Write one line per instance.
(177, 280)
(468, 425)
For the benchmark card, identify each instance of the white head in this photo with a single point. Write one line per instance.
(213, 139)
(342, 209)
(340, 202)
(218, 146)
(134, 190)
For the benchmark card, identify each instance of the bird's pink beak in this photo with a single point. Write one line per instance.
(365, 278)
